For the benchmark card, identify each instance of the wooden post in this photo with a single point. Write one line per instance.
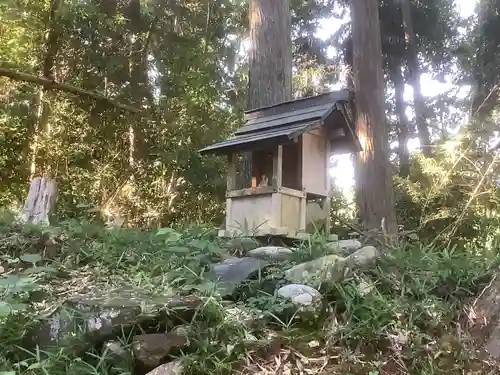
(230, 186)
(328, 200)
(327, 205)
(277, 183)
(278, 167)
(231, 172)
(303, 214)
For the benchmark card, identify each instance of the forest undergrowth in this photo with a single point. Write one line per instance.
(410, 316)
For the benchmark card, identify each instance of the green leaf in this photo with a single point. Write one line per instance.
(7, 373)
(413, 236)
(35, 366)
(9, 280)
(5, 309)
(19, 307)
(178, 250)
(199, 244)
(9, 259)
(30, 271)
(31, 258)
(166, 231)
(51, 231)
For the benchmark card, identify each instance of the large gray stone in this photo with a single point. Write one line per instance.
(120, 357)
(344, 247)
(241, 244)
(230, 273)
(366, 256)
(271, 252)
(101, 316)
(171, 368)
(151, 349)
(314, 272)
(299, 294)
(331, 267)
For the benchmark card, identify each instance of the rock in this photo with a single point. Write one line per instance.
(300, 294)
(171, 368)
(329, 267)
(115, 348)
(271, 252)
(365, 287)
(344, 247)
(102, 316)
(332, 238)
(241, 244)
(151, 349)
(115, 353)
(230, 273)
(365, 256)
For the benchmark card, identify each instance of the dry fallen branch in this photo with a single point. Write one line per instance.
(51, 85)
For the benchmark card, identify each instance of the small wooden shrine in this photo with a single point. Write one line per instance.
(290, 146)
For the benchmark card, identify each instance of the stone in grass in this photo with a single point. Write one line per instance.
(314, 272)
(171, 368)
(344, 246)
(271, 252)
(241, 244)
(151, 349)
(102, 316)
(300, 294)
(115, 353)
(231, 273)
(331, 267)
(366, 256)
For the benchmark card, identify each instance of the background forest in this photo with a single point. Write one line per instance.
(184, 66)
(142, 85)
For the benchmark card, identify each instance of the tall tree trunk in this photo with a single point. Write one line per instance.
(270, 70)
(141, 35)
(403, 132)
(136, 27)
(41, 104)
(486, 68)
(419, 102)
(374, 191)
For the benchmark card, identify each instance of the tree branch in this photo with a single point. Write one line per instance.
(51, 85)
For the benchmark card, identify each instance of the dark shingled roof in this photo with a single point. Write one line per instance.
(283, 122)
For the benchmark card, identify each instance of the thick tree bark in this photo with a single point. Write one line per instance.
(486, 67)
(270, 59)
(419, 102)
(270, 71)
(374, 190)
(403, 132)
(140, 38)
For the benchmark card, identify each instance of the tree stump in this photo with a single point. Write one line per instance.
(40, 202)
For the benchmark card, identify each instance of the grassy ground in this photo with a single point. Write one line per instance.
(407, 319)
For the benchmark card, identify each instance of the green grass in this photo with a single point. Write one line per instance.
(403, 320)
